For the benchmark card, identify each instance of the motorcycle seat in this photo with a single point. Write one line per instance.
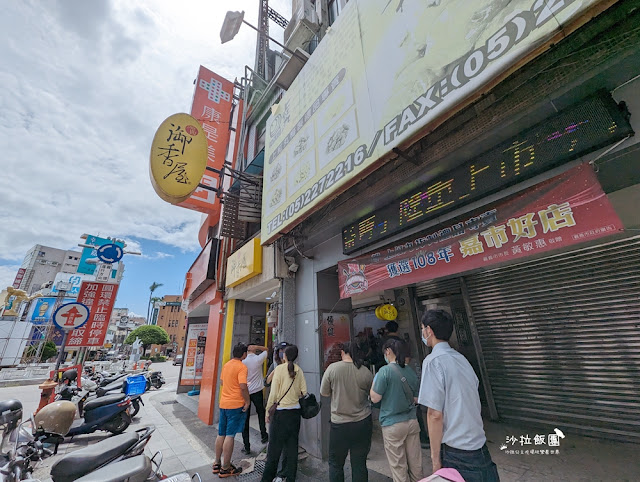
(133, 469)
(81, 462)
(115, 386)
(102, 401)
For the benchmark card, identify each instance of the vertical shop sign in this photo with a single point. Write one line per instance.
(99, 298)
(194, 355)
(335, 331)
(19, 275)
(563, 211)
(212, 104)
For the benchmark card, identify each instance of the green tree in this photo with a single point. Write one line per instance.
(48, 350)
(149, 335)
(154, 286)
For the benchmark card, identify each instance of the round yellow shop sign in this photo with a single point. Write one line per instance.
(178, 158)
(387, 312)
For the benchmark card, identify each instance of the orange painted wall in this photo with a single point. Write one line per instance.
(210, 371)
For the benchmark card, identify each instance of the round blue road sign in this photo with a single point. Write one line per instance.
(110, 253)
(71, 316)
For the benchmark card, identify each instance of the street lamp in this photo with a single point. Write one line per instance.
(231, 26)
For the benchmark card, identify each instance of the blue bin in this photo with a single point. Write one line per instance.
(136, 385)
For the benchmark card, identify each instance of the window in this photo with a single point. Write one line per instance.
(334, 10)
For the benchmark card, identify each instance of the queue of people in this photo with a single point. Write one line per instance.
(448, 389)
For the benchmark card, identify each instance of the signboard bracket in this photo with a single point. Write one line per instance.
(406, 157)
(208, 188)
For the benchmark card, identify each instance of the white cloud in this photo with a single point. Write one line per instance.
(158, 255)
(7, 275)
(85, 85)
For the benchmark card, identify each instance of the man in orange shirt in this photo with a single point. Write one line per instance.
(234, 402)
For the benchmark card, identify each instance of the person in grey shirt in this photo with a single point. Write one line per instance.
(347, 382)
(449, 389)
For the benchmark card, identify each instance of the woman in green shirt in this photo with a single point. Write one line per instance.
(395, 386)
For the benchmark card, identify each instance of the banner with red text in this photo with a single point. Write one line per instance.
(568, 209)
(99, 298)
(212, 105)
(336, 330)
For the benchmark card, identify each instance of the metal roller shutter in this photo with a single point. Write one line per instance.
(561, 339)
(437, 286)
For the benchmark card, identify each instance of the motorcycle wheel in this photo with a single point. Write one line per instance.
(148, 385)
(136, 407)
(118, 424)
(158, 385)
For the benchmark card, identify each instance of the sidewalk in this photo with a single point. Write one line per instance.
(181, 411)
(579, 458)
(186, 444)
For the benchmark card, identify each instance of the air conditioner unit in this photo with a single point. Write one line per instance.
(366, 300)
(373, 299)
(303, 27)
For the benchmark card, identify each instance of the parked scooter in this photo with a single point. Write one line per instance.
(108, 413)
(16, 459)
(117, 458)
(92, 392)
(77, 464)
(155, 379)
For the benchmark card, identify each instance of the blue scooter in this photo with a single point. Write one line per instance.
(108, 413)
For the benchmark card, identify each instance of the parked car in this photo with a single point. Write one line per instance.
(177, 360)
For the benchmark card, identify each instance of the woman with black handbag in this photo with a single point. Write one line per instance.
(283, 415)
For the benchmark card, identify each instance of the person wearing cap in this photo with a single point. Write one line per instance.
(278, 351)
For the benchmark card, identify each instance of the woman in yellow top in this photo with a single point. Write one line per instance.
(287, 387)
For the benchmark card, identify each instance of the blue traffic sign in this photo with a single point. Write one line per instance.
(71, 316)
(110, 253)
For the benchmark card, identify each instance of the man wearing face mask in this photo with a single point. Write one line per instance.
(449, 390)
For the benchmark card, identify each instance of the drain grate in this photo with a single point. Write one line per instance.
(256, 474)
(168, 402)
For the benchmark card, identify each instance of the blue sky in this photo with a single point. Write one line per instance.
(85, 85)
(160, 263)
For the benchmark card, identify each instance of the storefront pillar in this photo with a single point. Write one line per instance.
(211, 367)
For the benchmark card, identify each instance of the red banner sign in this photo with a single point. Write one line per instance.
(18, 280)
(212, 103)
(565, 210)
(99, 298)
(335, 331)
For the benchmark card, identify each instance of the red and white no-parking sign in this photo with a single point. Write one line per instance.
(71, 316)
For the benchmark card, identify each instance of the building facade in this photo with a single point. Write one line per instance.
(173, 319)
(41, 264)
(492, 174)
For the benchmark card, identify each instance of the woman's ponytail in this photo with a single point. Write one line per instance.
(291, 352)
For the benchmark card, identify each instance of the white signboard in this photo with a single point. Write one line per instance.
(103, 272)
(74, 281)
(193, 360)
(385, 70)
